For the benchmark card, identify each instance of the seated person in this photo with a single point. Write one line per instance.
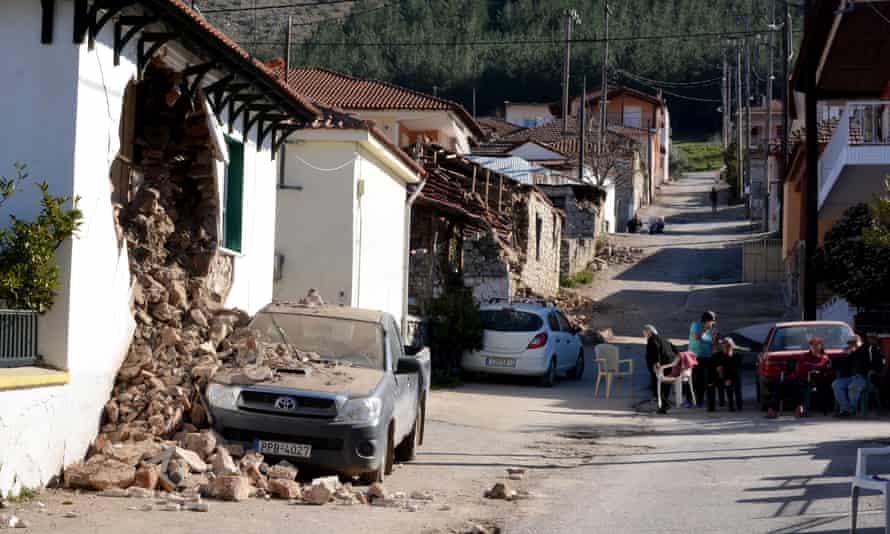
(683, 362)
(798, 381)
(852, 375)
(728, 366)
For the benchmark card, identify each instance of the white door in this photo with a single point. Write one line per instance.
(557, 334)
(571, 343)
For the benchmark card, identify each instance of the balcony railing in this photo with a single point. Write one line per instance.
(18, 338)
(861, 137)
(869, 123)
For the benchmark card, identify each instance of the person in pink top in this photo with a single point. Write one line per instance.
(814, 360)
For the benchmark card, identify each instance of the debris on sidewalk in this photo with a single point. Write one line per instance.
(500, 490)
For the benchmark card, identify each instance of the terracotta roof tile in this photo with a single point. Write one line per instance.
(350, 93)
(259, 67)
(495, 127)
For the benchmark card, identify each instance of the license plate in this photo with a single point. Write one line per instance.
(500, 362)
(280, 448)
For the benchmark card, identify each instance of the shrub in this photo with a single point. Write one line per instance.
(455, 327)
(29, 275)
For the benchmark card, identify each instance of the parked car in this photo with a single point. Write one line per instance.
(787, 342)
(359, 405)
(527, 339)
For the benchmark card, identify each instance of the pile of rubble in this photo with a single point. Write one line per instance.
(151, 438)
(610, 254)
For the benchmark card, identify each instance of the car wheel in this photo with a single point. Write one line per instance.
(549, 378)
(422, 421)
(577, 372)
(407, 449)
(389, 459)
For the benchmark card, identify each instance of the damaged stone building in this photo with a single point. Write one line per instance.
(499, 237)
(582, 205)
(166, 132)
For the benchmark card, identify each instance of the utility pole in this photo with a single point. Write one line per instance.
(724, 104)
(582, 126)
(571, 18)
(604, 93)
(786, 59)
(474, 102)
(769, 117)
(287, 47)
(811, 194)
(748, 112)
(738, 122)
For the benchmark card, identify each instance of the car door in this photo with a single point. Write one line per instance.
(558, 339)
(406, 383)
(572, 342)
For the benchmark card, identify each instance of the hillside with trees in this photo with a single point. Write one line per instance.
(518, 54)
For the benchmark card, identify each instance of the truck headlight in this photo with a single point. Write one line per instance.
(364, 410)
(220, 396)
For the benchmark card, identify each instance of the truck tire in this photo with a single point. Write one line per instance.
(549, 378)
(385, 467)
(422, 420)
(407, 449)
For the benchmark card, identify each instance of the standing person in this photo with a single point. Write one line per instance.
(796, 382)
(702, 335)
(713, 199)
(659, 351)
(728, 367)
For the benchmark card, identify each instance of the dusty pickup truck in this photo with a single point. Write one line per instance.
(341, 392)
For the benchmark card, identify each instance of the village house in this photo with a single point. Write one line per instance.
(500, 237)
(166, 132)
(764, 157)
(583, 206)
(343, 216)
(853, 140)
(402, 114)
(529, 114)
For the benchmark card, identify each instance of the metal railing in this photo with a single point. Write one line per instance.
(18, 338)
(869, 123)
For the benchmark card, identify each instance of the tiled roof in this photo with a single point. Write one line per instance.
(495, 127)
(825, 130)
(342, 91)
(550, 132)
(212, 32)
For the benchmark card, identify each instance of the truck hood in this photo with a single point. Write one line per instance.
(346, 381)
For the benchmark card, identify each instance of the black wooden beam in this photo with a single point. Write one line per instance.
(198, 71)
(238, 104)
(215, 90)
(280, 134)
(232, 91)
(135, 24)
(254, 113)
(155, 40)
(95, 23)
(46, 20)
(81, 13)
(264, 131)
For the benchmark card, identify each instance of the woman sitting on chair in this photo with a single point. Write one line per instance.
(798, 382)
(680, 367)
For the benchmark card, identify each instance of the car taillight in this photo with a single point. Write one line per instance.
(538, 341)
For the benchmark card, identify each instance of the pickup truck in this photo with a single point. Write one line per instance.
(355, 404)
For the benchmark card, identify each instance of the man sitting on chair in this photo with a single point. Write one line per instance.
(659, 351)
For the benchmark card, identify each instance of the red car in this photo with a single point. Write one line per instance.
(787, 342)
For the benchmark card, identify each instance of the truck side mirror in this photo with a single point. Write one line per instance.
(408, 365)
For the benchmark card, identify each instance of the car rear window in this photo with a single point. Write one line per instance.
(798, 337)
(510, 321)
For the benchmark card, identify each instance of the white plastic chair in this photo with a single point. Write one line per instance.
(678, 381)
(862, 480)
(608, 365)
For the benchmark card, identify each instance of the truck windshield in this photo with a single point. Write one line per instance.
(356, 343)
(507, 320)
(798, 337)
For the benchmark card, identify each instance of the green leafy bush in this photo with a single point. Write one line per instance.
(455, 327)
(850, 265)
(580, 278)
(29, 275)
(878, 234)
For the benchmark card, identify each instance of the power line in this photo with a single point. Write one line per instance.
(700, 83)
(338, 18)
(528, 41)
(671, 93)
(278, 6)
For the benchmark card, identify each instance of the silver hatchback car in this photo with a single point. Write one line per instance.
(527, 339)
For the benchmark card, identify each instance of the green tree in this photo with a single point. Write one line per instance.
(878, 234)
(849, 264)
(29, 275)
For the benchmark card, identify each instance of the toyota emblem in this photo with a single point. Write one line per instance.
(286, 403)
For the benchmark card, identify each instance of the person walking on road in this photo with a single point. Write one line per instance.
(714, 199)
(659, 351)
(702, 335)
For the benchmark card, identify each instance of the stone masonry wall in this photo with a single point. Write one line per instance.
(540, 271)
(576, 254)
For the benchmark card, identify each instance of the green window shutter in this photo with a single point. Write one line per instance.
(234, 196)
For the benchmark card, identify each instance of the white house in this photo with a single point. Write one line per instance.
(528, 114)
(402, 114)
(343, 216)
(69, 113)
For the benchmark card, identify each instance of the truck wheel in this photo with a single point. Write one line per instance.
(577, 372)
(422, 421)
(407, 450)
(385, 467)
(549, 378)
(388, 460)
